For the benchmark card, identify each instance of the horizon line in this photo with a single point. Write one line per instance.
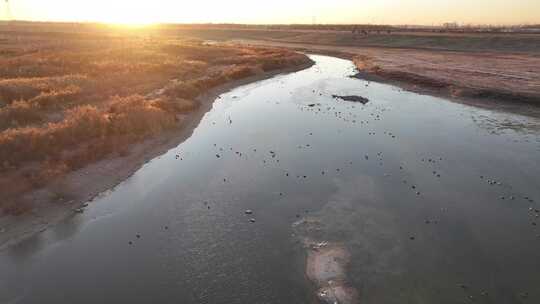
(458, 24)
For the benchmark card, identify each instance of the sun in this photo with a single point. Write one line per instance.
(128, 20)
(128, 14)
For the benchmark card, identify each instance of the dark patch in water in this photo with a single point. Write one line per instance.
(352, 98)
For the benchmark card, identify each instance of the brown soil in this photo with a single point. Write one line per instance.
(510, 77)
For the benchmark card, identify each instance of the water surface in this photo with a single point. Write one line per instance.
(434, 200)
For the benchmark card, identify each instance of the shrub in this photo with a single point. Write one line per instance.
(137, 116)
(56, 97)
(176, 105)
(33, 143)
(19, 113)
(27, 88)
(182, 89)
(239, 72)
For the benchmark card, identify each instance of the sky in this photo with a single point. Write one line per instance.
(426, 12)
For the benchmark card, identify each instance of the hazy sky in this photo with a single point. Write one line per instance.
(280, 11)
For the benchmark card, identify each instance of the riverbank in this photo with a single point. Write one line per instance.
(493, 80)
(66, 196)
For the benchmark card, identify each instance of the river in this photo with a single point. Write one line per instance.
(435, 201)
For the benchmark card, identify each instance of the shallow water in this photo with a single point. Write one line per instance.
(351, 166)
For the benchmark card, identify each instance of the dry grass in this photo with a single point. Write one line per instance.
(65, 103)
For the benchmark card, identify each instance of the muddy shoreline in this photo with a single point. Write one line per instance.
(64, 197)
(514, 102)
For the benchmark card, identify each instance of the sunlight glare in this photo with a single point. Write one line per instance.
(122, 13)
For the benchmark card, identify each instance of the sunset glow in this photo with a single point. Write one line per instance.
(280, 11)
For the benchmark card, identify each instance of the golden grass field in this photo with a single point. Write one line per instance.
(69, 100)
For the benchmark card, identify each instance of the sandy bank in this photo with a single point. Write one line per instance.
(61, 198)
(326, 268)
(326, 263)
